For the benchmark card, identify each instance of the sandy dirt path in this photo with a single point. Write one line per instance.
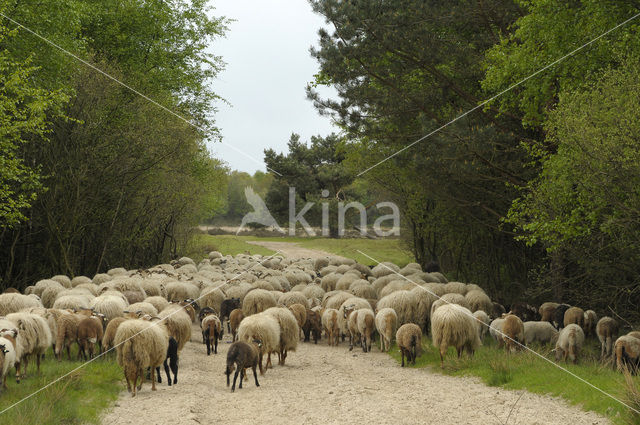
(330, 385)
(293, 250)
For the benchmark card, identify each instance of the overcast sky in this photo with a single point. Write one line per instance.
(268, 67)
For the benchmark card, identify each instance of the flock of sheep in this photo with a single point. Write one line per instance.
(268, 306)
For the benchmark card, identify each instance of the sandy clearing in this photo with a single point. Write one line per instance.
(330, 385)
(293, 250)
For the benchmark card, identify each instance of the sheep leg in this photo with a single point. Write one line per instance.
(141, 373)
(38, 364)
(166, 371)
(69, 351)
(242, 375)
(17, 365)
(215, 347)
(269, 365)
(235, 376)
(260, 362)
(284, 356)
(153, 380)
(255, 375)
(26, 365)
(158, 373)
(208, 341)
(402, 357)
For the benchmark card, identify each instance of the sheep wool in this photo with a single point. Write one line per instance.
(264, 328)
(386, 322)
(454, 325)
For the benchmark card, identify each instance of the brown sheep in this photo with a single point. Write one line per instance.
(607, 330)
(300, 312)
(67, 333)
(627, 351)
(312, 326)
(547, 310)
(409, 339)
(574, 315)
(90, 333)
(513, 330)
(110, 332)
(235, 317)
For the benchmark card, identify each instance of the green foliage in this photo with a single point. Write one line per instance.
(24, 111)
(585, 202)
(237, 205)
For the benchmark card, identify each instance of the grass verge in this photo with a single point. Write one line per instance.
(526, 371)
(77, 399)
(387, 249)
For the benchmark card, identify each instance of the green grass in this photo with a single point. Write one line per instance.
(526, 371)
(77, 399)
(380, 249)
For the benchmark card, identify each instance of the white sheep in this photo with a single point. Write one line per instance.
(570, 341)
(539, 331)
(386, 323)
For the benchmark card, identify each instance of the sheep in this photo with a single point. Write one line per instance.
(482, 321)
(384, 269)
(495, 330)
(513, 333)
(74, 302)
(44, 284)
(498, 310)
(300, 312)
(171, 360)
(312, 326)
(189, 309)
(140, 344)
(13, 303)
(178, 291)
(547, 311)
(212, 297)
(101, 278)
(235, 317)
(7, 356)
(244, 355)
(178, 324)
(34, 337)
(394, 286)
(539, 331)
(50, 294)
(455, 288)
(67, 333)
(366, 326)
(478, 300)
(574, 315)
(558, 315)
(313, 291)
(409, 339)
(386, 321)
(350, 315)
(450, 298)
(404, 303)
(110, 333)
(590, 320)
(607, 330)
(569, 344)
(524, 311)
(152, 287)
(262, 327)
(79, 280)
(109, 305)
(356, 303)
(289, 331)
(627, 352)
(257, 301)
(454, 325)
(211, 329)
(335, 300)
(160, 303)
(227, 307)
(90, 332)
(331, 326)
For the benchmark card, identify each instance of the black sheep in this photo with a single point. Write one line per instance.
(244, 355)
(172, 358)
(226, 308)
(558, 315)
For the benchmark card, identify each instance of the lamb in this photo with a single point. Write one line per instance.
(33, 339)
(386, 321)
(570, 341)
(178, 324)
(331, 325)
(366, 327)
(483, 322)
(13, 303)
(289, 331)
(513, 332)
(243, 355)
(67, 333)
(140, 345)
(226, 308)
(627, 351)
(539, 331)
(607, 330)
(262, 327)
(211, 328)
(90, 332)
(312, 326)
(590, 320)
(235, 317)
(257, 301)
(7, 354)
(454, 325)
(574, 315)
(409, 339)
(110, 333)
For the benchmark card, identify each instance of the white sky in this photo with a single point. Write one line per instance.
(268, 67)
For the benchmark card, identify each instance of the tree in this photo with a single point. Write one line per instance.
(585, 202)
